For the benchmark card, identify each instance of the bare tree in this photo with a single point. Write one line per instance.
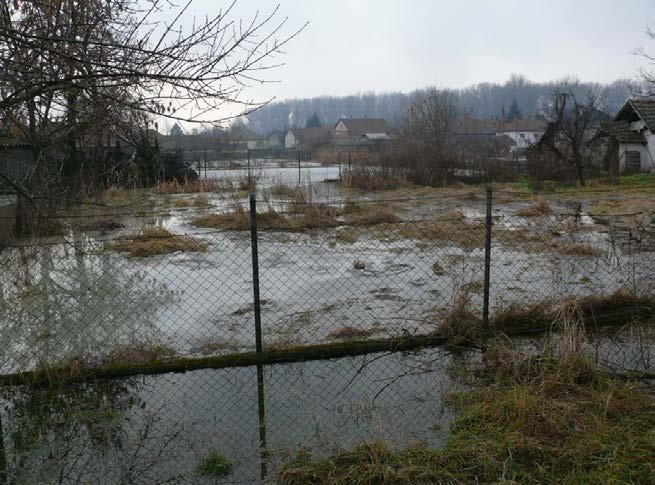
(69, 69)
(570, 135)
(429, 119)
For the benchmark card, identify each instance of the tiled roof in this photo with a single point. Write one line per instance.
(467, 125)
(525, 124)
(361, 126)
(646, 110)
(621, 132)
(312, 136)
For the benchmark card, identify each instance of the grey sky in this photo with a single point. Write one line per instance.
(388, 45)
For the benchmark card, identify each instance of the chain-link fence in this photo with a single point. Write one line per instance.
(130, 351)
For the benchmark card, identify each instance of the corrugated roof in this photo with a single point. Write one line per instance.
(361, 126)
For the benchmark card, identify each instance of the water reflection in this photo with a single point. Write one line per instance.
(159, 428)
(57, 308)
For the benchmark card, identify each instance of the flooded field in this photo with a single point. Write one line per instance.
(77, 300)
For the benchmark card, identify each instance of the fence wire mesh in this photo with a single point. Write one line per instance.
(175, 288)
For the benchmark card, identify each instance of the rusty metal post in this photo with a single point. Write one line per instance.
(487, 257)
(255, 271)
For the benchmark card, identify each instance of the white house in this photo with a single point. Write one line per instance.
(362, 131)
(524, 132)
(631, 137)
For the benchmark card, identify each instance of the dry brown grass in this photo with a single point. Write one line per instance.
(370, 214)
(180, 203)
(540, 208)
(609, 208)
(468, 235)
(200, 201)
(156, 241)
(188, 187)
(315, 216)
(347, 235)
(575, 249)
(350, 333)
(238, 219)
(285, 191)
(369, 181)
(140, 353)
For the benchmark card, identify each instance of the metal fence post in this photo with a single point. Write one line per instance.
(255, 271)
(487, 258)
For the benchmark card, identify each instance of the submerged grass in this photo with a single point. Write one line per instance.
(157, 241)
(530, 419)
(540, 208)
(214, 465)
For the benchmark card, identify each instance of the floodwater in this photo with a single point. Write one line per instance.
(156, 428)
(74, 300)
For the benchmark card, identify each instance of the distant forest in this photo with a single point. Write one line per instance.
(481, 100)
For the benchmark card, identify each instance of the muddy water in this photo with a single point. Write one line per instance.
(155, 428)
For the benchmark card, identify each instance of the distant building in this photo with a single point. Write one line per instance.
(362, 132)
(514, 137)
(630, 137)
(307, 139)
(275, 140)
(243, 138)
(524, 132)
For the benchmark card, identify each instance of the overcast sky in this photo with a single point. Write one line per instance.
(353, 46)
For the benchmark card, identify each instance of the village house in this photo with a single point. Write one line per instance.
(243, 138)
(275, 140)
(307, 139)
(630, 137)
(362, 132)
(524, 132)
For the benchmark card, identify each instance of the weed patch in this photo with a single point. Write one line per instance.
(350, 333)
(157, 241)
(214, 465)
(541, 208)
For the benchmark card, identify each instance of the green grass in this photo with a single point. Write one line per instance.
(214, 465)
(530, 420)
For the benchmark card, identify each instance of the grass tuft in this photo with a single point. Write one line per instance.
(214, 465)
(157, 241)
(350, 333)
(541, 208)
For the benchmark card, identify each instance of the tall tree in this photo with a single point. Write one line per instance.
(313, 122)
(514, 112)
(570, 136)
